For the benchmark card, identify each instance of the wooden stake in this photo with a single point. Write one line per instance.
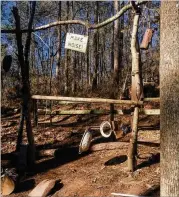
(50, 113)
(35, 114)
(97, 112)
(132, 152)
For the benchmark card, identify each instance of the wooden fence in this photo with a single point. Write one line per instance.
(135, 109)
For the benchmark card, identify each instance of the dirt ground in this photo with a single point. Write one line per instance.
(97, 173)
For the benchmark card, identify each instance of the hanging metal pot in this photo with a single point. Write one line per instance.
(9, 179)
(7, 185)
(85, 141)
(106, 129)
(7, 62)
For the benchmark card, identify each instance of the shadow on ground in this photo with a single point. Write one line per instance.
(116, 160)
(153, 159)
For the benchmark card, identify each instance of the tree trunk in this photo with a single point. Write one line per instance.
(169, 88)
(116, 45)
(59, 47)
(67, 54)
(74, 87)
(136, 89)
(95, 51)
(137, 92)
(87, 56)
(24, 64)
(20, 130)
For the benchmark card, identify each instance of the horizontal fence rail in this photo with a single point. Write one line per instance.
(97, 112)
(77, 100)
(93, 100)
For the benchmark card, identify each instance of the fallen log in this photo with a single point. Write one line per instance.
(99, 147)
(97, 112)
(57, 151)
(74, 112)
(47, 153)
(109, 146)
(42, 189)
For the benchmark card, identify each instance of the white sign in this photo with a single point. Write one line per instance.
(76, 42)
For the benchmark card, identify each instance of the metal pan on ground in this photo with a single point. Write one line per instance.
(7, 185)
(106, 129)
(85, 141)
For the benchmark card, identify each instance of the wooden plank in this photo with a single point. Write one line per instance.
(74, 112)
(88, 100)
(150, 111)
(97, 112)
(69, 102)
(157, 99)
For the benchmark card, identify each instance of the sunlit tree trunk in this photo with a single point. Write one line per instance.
(116, 44)
(59, 46)
(169, 88)
(67, 53)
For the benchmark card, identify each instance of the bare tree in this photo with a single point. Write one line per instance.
(59, 45)
(116, 44)
(95, 51)
(24, 64)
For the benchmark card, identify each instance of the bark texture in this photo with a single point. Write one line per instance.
(169, 78)
(137, 92)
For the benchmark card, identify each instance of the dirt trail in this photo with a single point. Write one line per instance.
(95, 174)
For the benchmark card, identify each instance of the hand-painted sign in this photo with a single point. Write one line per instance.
(76, 42)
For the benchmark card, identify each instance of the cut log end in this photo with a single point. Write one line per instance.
(42, 189)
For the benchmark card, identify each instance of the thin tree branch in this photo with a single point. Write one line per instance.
(28, 40)
(80, 22)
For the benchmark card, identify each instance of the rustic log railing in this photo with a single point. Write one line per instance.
(67, 100)
(87, 100)
(136, 109)
(77, 100)
(96, 112)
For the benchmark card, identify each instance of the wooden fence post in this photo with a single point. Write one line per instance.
(35, 113)
(51, 113)
(136, 89)
(132, 152)
(111, 112)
